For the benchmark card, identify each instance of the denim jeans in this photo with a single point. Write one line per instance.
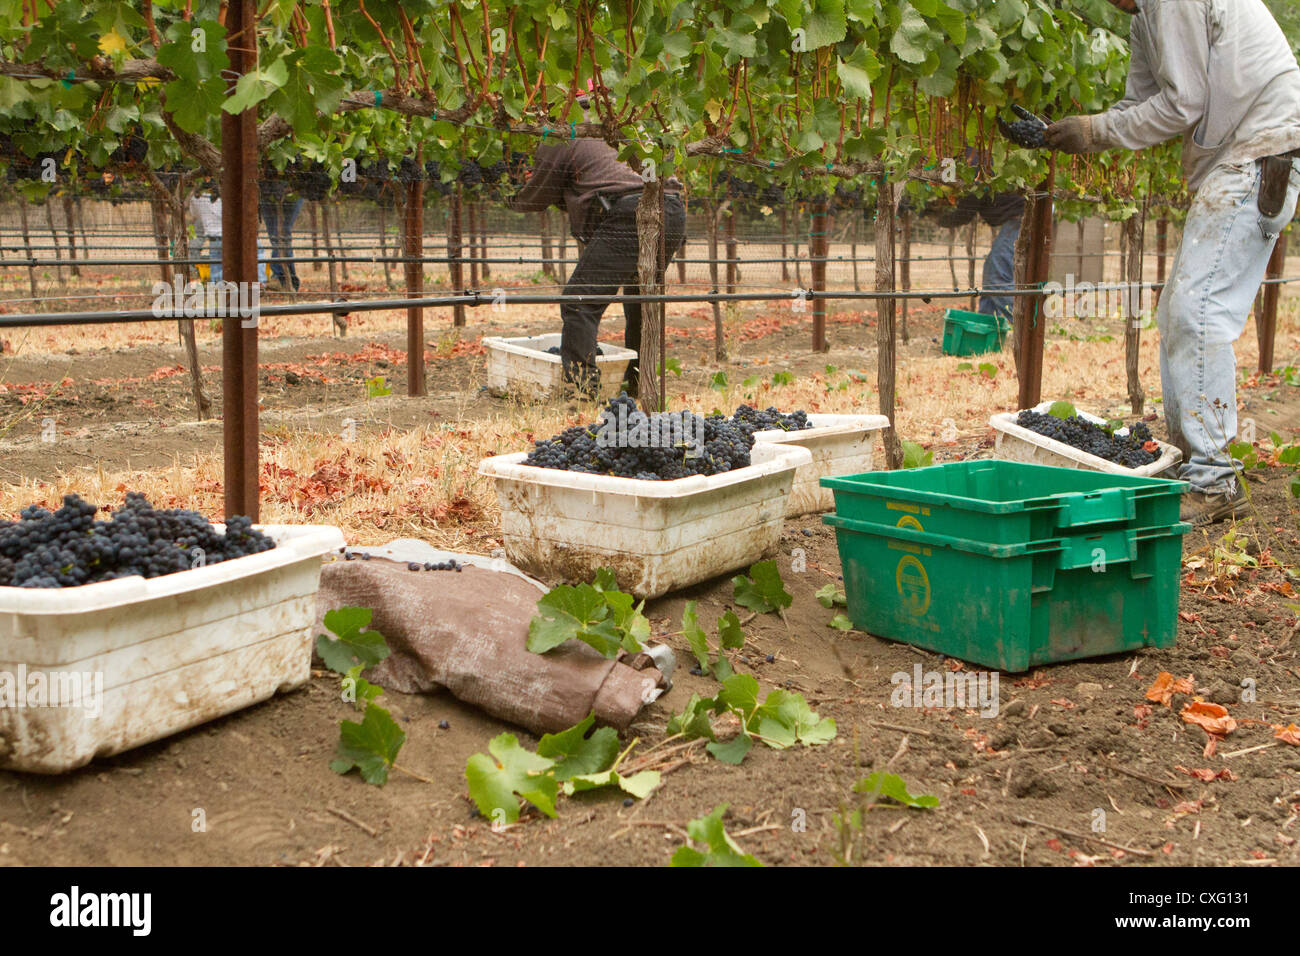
(608, 262)
(1000, 271)
(214, 253)
(279, 216)
(1214, 278)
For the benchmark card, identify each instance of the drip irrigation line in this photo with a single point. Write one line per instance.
(480, 298)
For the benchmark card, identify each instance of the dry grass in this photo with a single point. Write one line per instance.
(385, 482)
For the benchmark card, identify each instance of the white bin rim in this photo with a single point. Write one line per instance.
(825, 425)
(527, 345)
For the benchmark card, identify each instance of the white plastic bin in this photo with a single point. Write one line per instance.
(840, 445)
(655, 535)
(164, 654)
(523, 368)
(1015, 443)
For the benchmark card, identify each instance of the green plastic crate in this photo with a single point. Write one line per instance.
(1012, 606)
(1006, 502)
(972, 333)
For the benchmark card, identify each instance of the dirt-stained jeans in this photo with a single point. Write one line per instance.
(1203, 309)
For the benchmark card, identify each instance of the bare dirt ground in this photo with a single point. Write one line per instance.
(1071, 741)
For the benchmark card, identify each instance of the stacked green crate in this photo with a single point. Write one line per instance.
(1011, 565)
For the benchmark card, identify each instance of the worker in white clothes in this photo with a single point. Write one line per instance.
(1220, 74)
(205, 211)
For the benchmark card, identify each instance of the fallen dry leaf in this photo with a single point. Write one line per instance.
(1290, 734)
(1165, 686)
(1206, 774)
(1212, 718)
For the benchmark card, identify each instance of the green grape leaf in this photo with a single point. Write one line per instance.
(784, 719)
(733, 751)
(358, 691)
(370, 746)
(573, 613)
(762, 590)
(495, 780)
(730, 634)
(639, 785)
(695, 636)
(575, 753)
(830, 595)
(740, 693)
(695, 720)
(352, 643)
(892, 786)
(722, 850)
(914, 456)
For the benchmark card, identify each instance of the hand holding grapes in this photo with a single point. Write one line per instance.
(1074, 134)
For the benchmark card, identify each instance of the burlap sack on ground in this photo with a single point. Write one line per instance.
(466, 631)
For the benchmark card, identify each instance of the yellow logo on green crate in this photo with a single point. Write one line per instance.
(913, 584)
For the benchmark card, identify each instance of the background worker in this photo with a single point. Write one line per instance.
(1220, 74)
(279, 208)
(600, 194)
(205, 212)
(1003, 212)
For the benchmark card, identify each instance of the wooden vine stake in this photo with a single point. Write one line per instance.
(239, 264)
(414, 250)
(1135, 230)
(1030, 326)
(719, 332)
(649, 231)
(453, 253)
(818, 241)
(905, 271)
(1266, 321)
(885, 203)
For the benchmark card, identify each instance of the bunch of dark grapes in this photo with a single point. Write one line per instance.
(726, 446)
(68, 547)
(752, 420)
(409, 171)
(470, 173)
(1133, 450)
(309, 179)
(1027, 131)
(737, 187)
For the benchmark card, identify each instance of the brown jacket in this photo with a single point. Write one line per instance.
(572, 173)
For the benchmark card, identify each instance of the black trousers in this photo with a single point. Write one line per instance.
(607, 264)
